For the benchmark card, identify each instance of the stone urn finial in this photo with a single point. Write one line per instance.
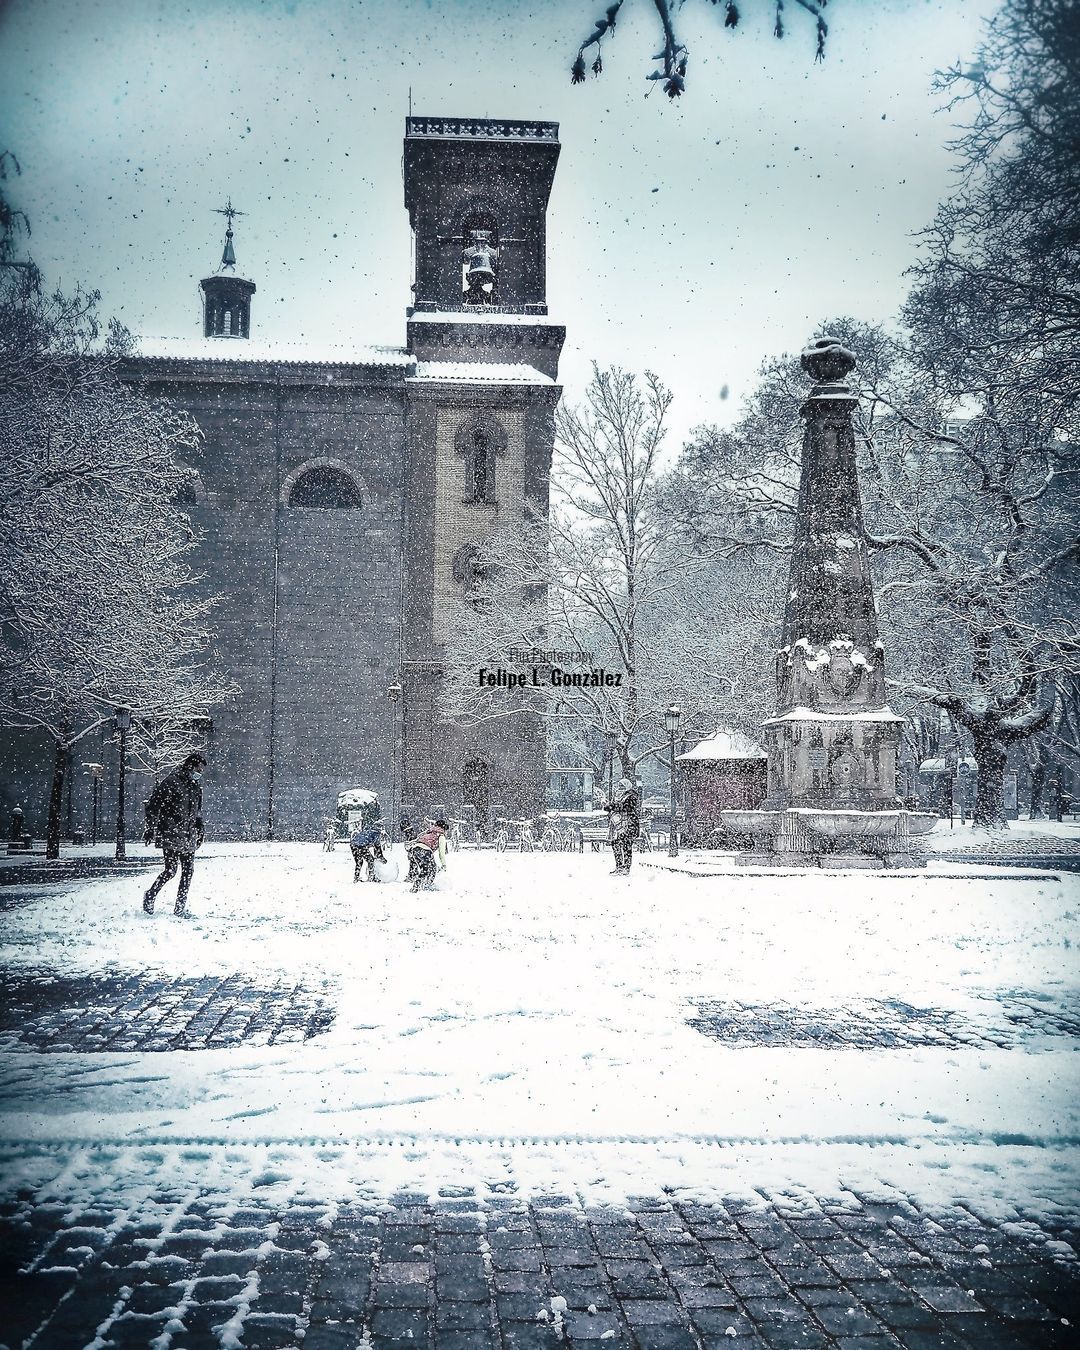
(827, 360)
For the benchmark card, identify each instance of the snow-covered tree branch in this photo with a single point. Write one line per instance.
(98, 604)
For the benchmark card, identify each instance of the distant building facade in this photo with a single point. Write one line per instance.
(342, 493)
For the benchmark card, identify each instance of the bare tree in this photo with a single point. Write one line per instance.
(98, 605)
(608, 581)
(674, 55)
(998, 279)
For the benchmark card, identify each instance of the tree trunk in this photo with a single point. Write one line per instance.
(1038, 782)
(56, 797)
(990, 797)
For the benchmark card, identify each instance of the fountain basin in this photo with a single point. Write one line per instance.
(830, 824)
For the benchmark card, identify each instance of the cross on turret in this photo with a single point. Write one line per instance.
(228, 254)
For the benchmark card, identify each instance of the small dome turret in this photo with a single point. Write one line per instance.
(227, 297)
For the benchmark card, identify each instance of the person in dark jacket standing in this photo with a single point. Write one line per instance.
(624, 825)
(174, 822)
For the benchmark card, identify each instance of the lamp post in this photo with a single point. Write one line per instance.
(123, 723)
(95, 771)
(672, 718)
(611, 739)
(394, 694)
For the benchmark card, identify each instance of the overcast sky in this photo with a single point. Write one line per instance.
(692, 238)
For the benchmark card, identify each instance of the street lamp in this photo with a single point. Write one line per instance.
(394, 694)
(672, 718)
(123, 724)
(611, 739)
(95, 771)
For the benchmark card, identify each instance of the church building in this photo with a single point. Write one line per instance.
(341, 493)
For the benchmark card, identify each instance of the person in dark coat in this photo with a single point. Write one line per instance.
(366, 846)
(624, 825)
(174, 822)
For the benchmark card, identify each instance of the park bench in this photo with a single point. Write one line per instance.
(598, 835)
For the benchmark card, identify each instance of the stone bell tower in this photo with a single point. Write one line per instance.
(480, 416)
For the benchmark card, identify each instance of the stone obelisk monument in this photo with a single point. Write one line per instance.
(832, 742)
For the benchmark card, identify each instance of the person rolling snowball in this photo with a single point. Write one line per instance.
(427, 855)
(366, 846)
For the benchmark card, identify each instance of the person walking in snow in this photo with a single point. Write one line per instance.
(427, 854)
(174, 822)
(624, 825)
(366, 846)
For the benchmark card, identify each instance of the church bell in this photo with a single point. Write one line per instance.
(480, 255)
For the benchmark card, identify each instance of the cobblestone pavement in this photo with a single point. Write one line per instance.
(181, 1273)
(1005, 1024)
(50, 1012)
(133, 1012)
(1010, 843)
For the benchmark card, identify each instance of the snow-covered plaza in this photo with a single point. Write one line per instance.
(538, 1028)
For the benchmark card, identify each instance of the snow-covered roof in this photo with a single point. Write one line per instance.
(885, 714)
(938, 765)
(485, 372)
(480, 316)
(724, 744)
(237, 349)
(229, 276)
(356, 797)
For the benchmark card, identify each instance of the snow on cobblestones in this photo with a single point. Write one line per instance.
(530, 1024)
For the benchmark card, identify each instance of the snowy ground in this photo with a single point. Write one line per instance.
(531, 1020)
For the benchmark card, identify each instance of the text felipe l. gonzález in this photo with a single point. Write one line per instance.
(538, 677)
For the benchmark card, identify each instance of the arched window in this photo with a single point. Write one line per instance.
(479, 440)
(324, 486)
